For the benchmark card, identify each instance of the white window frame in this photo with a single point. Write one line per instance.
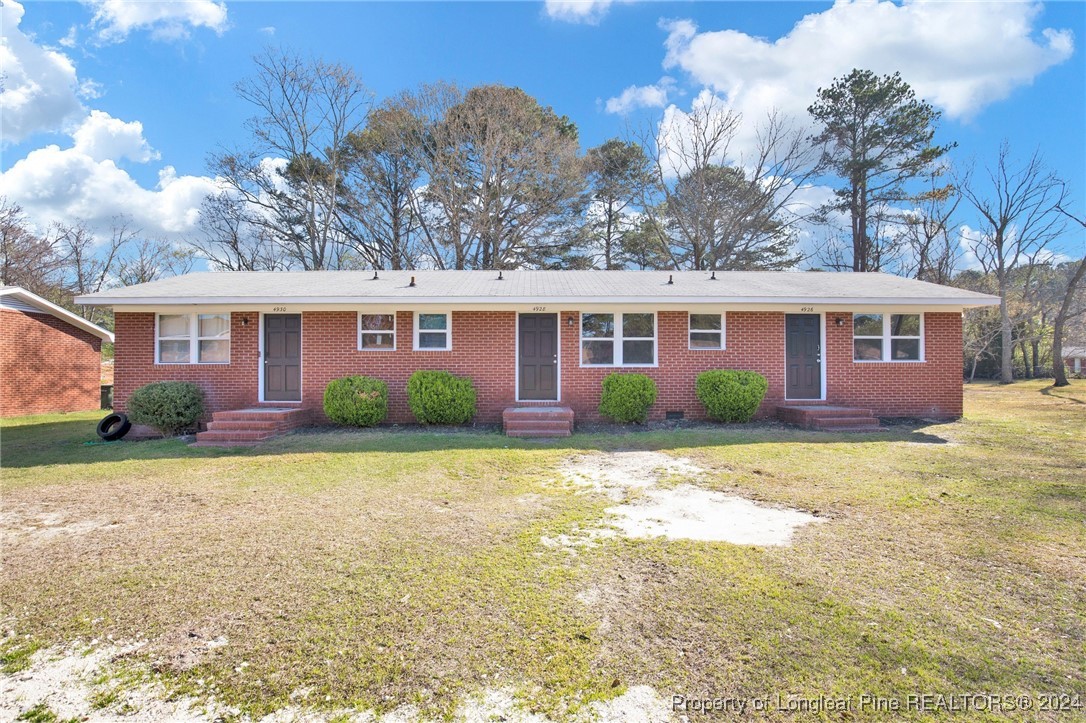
(690, 331)
(617, 339)
(193, 337)
(358, 324)
(887, 339)
(448, 331)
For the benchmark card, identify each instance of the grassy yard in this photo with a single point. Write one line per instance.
(374, 569)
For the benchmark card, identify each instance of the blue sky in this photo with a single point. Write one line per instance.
(135, 95)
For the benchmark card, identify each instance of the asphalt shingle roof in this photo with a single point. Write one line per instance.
(337, 287)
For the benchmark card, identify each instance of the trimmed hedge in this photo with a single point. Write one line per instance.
(356, 401)
(169, 407)
(627, 397)
(438, 397)
(730, 395)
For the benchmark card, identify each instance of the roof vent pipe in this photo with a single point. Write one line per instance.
(713, 277)
(412, 281)
(374, 276)
(500, 276)
(670, 279)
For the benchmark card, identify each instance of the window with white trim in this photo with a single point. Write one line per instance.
(433, 332)
(193, 339)
(618, 340)
(376, 332)
(887, 337)
(706, 331)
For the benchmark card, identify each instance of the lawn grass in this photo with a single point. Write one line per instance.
(374, 569)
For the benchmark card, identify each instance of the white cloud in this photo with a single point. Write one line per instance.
(958, 56)
(82, 182)
(103, 137)
(589, 12)
(172, 20)
(40, 88)
(642, 96)
(55, 184)
(268, 30)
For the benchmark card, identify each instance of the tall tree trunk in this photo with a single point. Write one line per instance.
(1006, 366)
(1059, 369)
(1036, 356)
(1026, 374)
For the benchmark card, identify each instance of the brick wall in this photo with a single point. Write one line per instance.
(484, 349)
(932, 388)
(225, 386)
(47, 365)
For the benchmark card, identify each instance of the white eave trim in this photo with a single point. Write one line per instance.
(565, 302)
(59, 312)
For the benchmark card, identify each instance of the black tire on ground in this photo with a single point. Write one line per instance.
(114, 426)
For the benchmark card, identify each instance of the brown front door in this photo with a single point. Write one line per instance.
(538, 358)
(803, 356)
(282, 357)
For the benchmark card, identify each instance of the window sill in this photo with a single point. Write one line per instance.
(889, 361)
(192, 364)
(619, 366)
(706, 348)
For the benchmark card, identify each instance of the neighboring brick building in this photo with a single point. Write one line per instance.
(50, 358)
(888, 344)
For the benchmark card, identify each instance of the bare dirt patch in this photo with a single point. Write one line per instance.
(637, 479)
(65, 681)
(39, 525)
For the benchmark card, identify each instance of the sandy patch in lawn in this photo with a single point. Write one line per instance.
(42, 526)
(616, 474)
(691, 513)
(639, 704)
(684, 511)
(62, 679)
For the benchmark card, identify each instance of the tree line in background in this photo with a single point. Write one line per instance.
(488, 178)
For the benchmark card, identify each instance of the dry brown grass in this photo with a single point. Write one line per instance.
(381, 568)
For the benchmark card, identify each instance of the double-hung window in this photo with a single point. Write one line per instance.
(706, 331)
(377, 332)
(609, 339)
(193, 339)
(433, 332)
(887, 337)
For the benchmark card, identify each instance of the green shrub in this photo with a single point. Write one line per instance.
(437, 397)
(169, 407)
(627, 397)
(356, 401)
(729, 395)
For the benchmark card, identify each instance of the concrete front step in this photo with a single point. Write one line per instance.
(542, 421)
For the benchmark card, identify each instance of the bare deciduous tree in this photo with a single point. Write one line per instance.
(718, 208)
(1018, 205)
(292, 177)
(1072, 305)
(927, 234)
(27, 259)
(231, 242)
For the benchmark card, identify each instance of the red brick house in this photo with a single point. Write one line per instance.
(890, 345)
(50, 358)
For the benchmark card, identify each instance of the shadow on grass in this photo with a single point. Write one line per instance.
(1053, 391)
(75, 442)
